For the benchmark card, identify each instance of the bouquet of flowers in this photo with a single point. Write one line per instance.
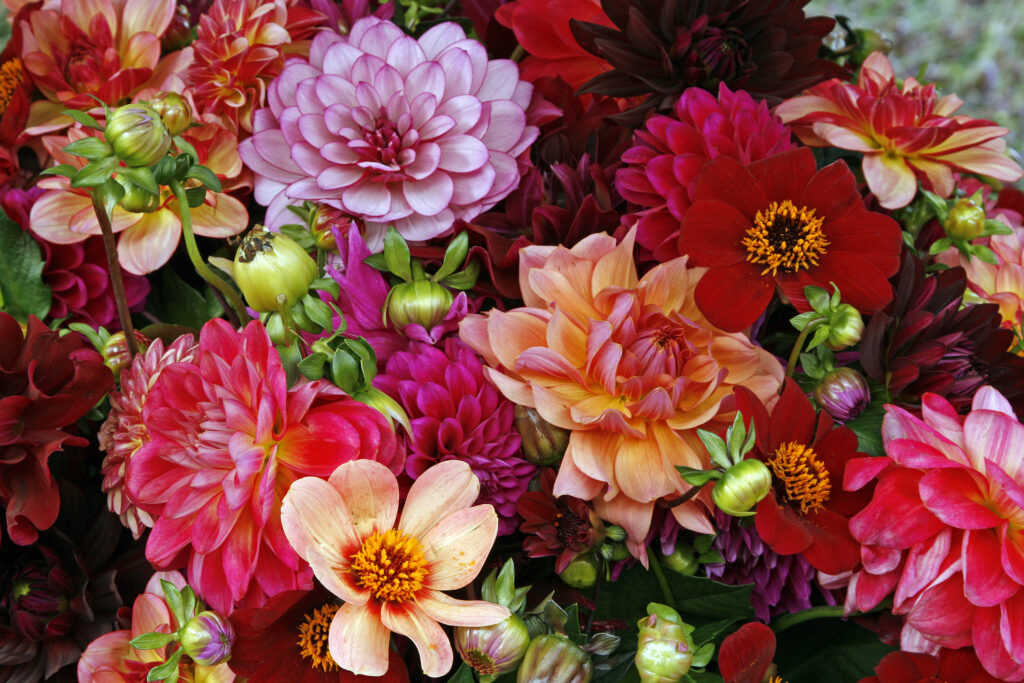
(537, 340)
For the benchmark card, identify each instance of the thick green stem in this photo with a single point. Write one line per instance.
(116, 281)
(659, 573)
(197, 260)
(790, 620)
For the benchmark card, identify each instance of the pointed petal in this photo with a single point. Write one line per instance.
(441, 490)
(447, 610)
(411, 621)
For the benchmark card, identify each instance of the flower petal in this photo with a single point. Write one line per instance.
(457, 546)
(443, 489)
(358, 639)
(411, 621)
(370, 493)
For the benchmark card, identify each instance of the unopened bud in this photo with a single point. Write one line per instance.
(867, 41)
(682, 560)
(178, 33)
(495, 649)
(137, 199)
(208, 638)
(137, 134)
(543, 442)
(965, 220)
(422, 302)
(664, 650)
(845, 326)
(742, 487)
(115, 350)
(553, 658)
(843, 393)
(582, 571)
(173, 110)
(269, 265)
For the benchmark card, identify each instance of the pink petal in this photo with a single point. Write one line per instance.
(943, 614)
(954, 497)
(447, 610)
(358, 639)
(890, 179)
(149, 243)
(441, 490)
(996, 437)
(457, 546)
(412, 621)
(985, 582)
(370, 493)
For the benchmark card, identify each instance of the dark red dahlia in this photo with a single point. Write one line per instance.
(918, 667)
(562, 527)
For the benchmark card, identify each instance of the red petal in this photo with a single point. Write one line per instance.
(781, 528)
(832, 549)
(985, 582)
(745, 655)
(726, 179)
(783, 176)
(711, 233)
(733, 297)
(953, 496)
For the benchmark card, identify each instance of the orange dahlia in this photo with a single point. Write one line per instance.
(630, 365)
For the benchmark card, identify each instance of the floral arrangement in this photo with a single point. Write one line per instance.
(535, 340)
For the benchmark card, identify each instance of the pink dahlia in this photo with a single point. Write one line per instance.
(124, 433)
(671, 151)
(457, 414)
(944, 529)
(227, 438)
(392, 130)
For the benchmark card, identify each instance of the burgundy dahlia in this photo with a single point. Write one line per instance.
(560, 527)
(457, 414)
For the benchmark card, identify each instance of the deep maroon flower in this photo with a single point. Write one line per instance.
(659, 48)
(457, 414)
(671, 151)
(47, 382)
(562, 527)
(915, 667)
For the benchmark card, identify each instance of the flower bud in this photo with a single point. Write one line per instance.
(173, 110)
(843, 393)
(115, 350)
(868, 41)
(845, 326)
(742, 487)
(269, 265)
(496, 649)
(137, 199)
(682, 560)
(207, 639)
(582, 571)
(178, 33)
(543, 442)
(422, 302)
(137, 134)
(664, 651)
(965, 220)
(553, 658)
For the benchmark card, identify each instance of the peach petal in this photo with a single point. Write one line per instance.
(632, 516)
(370, 494)
(457, 546)
(358, 640)
(411, 621)
(317, 522)
(149, 243)
(572, 482)
(616, 268)
(220, 216)
(145, 16)
(637, 470)
(890, 179)
(447, 610)
(441, 490)
(52, 213)
(512, 333)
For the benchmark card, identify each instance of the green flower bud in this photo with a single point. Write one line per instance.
(269, 265)
(965, 220)
(137, 134)
(207, 639)
(742, 487)
(422, 302)
(543, 442)
(582, 571)
(137, 199)
(173, 110)
(553, 658)
(843, 393)
(867, 41)
(491, 650)
(845, 326)
(115, 351)
(682, 560)
(664, 649)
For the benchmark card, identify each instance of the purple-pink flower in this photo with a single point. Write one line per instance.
(394, 130)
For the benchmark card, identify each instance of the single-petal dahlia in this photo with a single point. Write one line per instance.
(630, 365)
(562, 527)
(906, 134)
(658, 48)
(227, 437)
(943, 529)
(345, 528)
(124, 432)
(663, 166)
(457, 414)
(918, 667)
(807, 510)
(47, 382)
(780, 221)
(391, 129)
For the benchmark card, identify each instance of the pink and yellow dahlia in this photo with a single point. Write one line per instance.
(630, 365)
(227, 438)
(905, 133)
(944, 529)
(345, 528)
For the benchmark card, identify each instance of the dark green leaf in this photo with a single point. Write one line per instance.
(868, 428)
(22, 290)
(89, 148)
(141, 176)
(94, 173)
(377, 262)
(185, 146)
(396, 255)
(174, 301)
(66, 170)
(715, 631)
(291, 356)
(83, 118)
(195, 196)
(319, 312)
(842, 648)
(110, 194)
(572, 625)
(151, 641)
(205, 176)
(345, 371)
(454, 255)
(463, 675)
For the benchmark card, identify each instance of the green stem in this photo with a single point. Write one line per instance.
(663, 583)
(116, 281)
(821, 612)
(197, 260)
(794, 355)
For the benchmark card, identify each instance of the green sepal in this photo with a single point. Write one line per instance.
(994, 227)
(168, 671)
(84, 119)
(396, 255)
(152, 641)
(940, 245)
(186, 147)
(983, 253)
(195, 196)
(94, 173)
(465, 279)
(174, 600)
(205, 176)
(317, 311)
(697, 477)
(377, 262)
(141, 176)
(326, 284)
(89, 148)
(66, 170)
(454, 255)
(716, 448)
(818, 299)
(312, 366)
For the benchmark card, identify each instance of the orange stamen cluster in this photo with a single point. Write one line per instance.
(10, 80)
(785, 237)
(313, 638)
(391, 565)
(804, 476)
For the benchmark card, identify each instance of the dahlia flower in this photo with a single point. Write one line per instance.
(457, 414)
(345, 528)
(914, 667)
(780, 221)
(124, 432)
(16, 89)
(746, 655)
(47, 382)
(905, 134)
(943, 529)
(227, 437)
(671, 151)
(560, 527)
(392, 130)
(630, 365)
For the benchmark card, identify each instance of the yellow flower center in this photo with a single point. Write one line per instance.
(785, 238)
(803, 475)
(313, 638)
(10, 79)
(391, 565)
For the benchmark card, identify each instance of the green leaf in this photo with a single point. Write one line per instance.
(326, 284)
(812, 365)
(22, 290)
(572, 625)
(716, 448)
(188, 598)
(174, 301)
(66, 170)
(185, 147)
(868, 428)
(994, 227)
(377, 262)
(141, 176)
(96, 337)
(205, 176)
(84, 119)
(845, 650)
(166, 670)
(463, 675)
(801, 321)
(818, 299)
(697, 477)
(174, 601)
(319, 312)
(940, 245)
(300, 234)
(110, 194)
(983, 253)
(195, 196)
(715, 631)
(345, 371)
(151, 641)
(94, 173)
(454, 255)
(737, 436)
(937, 204)
(465, 279)
(396, 255)
(89, 148)
(819, 337)
(312, 366)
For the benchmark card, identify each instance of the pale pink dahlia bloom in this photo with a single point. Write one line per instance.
(394, 130)
(227, 439)
(124, 433)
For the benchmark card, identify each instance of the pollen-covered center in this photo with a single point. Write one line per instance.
(313, 638)
(785, 237)
(10, 80)
(391, 565)
(803, 475)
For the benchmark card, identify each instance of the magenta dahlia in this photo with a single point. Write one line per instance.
(457, 414)
(227, 438)
(393, 130)
(663, 166)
